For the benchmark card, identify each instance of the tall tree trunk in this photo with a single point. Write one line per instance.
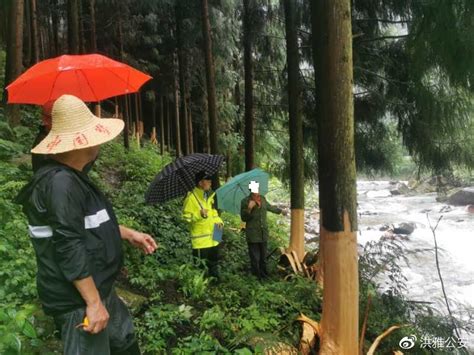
(82, 40)
(176, 107)
(162, 126)
(27, 42)
(190, 130)
(73, 26)
(51, 50)
(126, 120)
(337, 175)
(296, 133)
(248, 69)
(168, 127)
(153, 137)
(34, 32)
(182, 80)
(205, 125)
(210, 81)
(93, 38)
(55, 25)
(14, 59)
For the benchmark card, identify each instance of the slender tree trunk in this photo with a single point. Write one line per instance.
(51, 50)
(126, 120)
(34, 32)
(55, 25)
(337, 176)
(168, 127)
(182, 80)
(176, 108)
(82, 40)
(190, 130)
(153, 138)
(248, 69)
(14, 59)
(137, 120)
(210, 77)
(27, 42)
(205, 125)
(73, 26)
(93, 39)
(162, 127)
(296, 133)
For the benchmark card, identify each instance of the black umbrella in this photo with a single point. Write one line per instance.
(178, 177)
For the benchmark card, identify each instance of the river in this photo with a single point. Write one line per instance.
(455, 239)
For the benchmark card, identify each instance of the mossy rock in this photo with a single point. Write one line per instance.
(133, 301)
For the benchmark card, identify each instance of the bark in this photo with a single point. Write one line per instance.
(168, 128)
(34, 33)
(210, 80)
(73, 26)
(190, 130)
(182, 81)
(206, 145)
(337, 176)
(27, 42)
(82, 40)
(248, 69)
(93, 38)
(176, 108)
(162, 127)
(14, 59)
(296, 132)
(55, 25)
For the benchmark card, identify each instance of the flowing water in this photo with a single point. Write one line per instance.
(455, 239)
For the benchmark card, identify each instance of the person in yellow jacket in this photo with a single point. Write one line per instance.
(199, 212)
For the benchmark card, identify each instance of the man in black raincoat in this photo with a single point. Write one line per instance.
(76, 236)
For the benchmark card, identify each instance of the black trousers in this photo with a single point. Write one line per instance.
(258, 259)
(210, 257)
(117, 338)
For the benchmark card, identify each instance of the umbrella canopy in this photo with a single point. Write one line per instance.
(178, 177)
(231, 194)
(90, 77)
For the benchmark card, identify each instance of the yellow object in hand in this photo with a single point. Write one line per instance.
(85, 323)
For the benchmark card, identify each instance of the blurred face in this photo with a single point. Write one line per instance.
(205, 184)
(254, 187)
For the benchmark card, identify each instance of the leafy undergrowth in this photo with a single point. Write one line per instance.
(184, 312)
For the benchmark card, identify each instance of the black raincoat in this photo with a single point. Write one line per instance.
(75, 234)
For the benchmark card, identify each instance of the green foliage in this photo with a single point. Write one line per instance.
(184, 312)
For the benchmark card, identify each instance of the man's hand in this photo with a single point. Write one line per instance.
(140, 240)
(96, 313)
(204, 213)
(98, 317)
(252, 204)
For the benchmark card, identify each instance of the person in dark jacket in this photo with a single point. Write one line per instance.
(253, 211)
(76, 236)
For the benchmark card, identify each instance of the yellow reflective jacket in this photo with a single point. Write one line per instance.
(201, 228)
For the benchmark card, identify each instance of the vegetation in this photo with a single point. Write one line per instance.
(183, 312)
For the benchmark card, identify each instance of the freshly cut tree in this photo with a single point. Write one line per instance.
(337, 175)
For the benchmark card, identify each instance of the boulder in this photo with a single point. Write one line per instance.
(462, 197)
(404, 228)
(133, 301)
(400, 189)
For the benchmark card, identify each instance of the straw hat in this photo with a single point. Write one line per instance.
(75, 127)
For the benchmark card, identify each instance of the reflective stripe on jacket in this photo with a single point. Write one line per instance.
(201, 228)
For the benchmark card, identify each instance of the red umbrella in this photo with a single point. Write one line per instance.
(91, 77)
